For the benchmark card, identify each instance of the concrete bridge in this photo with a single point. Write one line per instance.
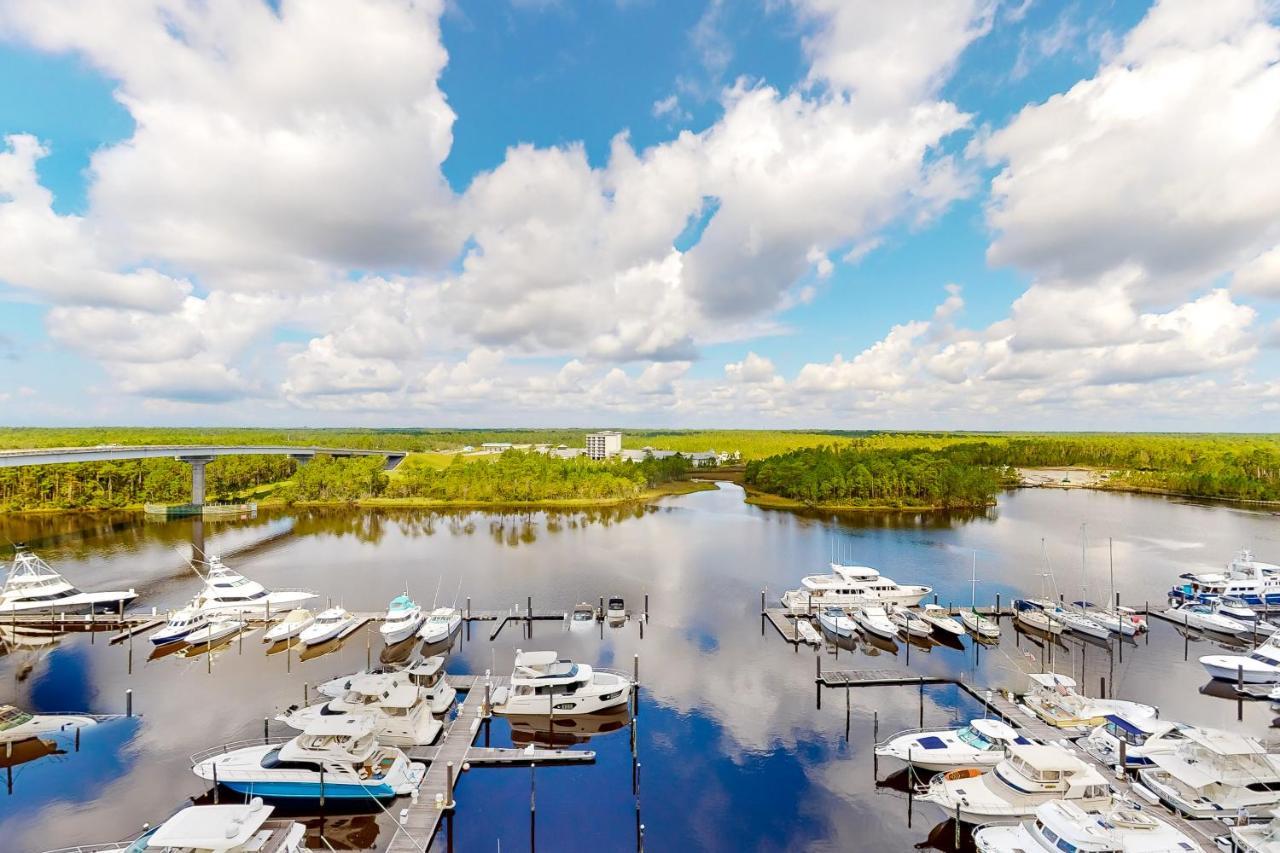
(195, 455)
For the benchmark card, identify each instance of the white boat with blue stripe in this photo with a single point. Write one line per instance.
(1251, 581)
(336, 755)
(981, 743)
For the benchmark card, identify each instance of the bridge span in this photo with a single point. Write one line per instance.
(195, 455)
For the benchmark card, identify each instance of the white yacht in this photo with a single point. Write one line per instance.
(1025, 779)
(909, 622)
(980, 744)
(1053, 698)
(543, 684)
(1260, 666)
(442, 624)
(851, 586)
(329, 624)
(31, 586)
(402, 621)
(583, 617)
(215, 630)
(401, 715)
(1257, 837)
(1031, 614)
(213, 829)
(872, 619)
(228, 591)
(1142, 737)
(1207, 618)
(836, 621)
(1252, 581)
(1061, 825)
(181, 623)
(16, 724)
(355, 765)
(984, 626)
(295, 623)
(1077, 621)
(617, 609)
(427, 675)
(1115, 621)
(1215, 773)
(941, 621)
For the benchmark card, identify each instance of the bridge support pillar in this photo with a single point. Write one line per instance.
(301, 459)
(197, 464)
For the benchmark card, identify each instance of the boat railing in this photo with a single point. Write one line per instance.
(625, 676)
(902, 733)
(294, 589)
(109, 847)
(206, 754)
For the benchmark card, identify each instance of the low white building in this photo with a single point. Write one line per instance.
(603, 445)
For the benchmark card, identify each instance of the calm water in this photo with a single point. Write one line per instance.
(734, 754)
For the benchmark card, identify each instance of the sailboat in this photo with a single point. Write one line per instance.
(983, 626)
(1071, 620)
(1113, 619)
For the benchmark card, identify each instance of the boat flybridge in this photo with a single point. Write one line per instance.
(402, 621)
(1026, 778)
(981, 743)
(851, 586)
(440, 625)
(1251, 581)
(339, 755)
(31, 586)
(182, 622)
(17, 725)
(228, 591)
(427, 675)
(1061, 825)
(1215, 773)
(1142, 737)
(1053, 698)
(1260, 666)
(213, 829)
(541, 683)
(401, 714)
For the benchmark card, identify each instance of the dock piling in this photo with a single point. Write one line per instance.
(266, 729)
(448, 788)
(922, 701)
(306, 694)
(646, 607)
(128, 702)
(215, 781)
(1102, 687)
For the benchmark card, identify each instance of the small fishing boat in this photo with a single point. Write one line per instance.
(403, 619)
(836, 621)
(214, 829)
(617, 609)
(1025, 779)
(909, 623)
(1207, 618)
(442, 624)
(941, 621)
(400, 713)
(583, 617)
(1027, 614)
(1062, 825)
(181, 623)
(339, 755)
(1215, 773)
(808, 633)
(17, 725)
(872, 619)
(1260, 666)
(427, 675)
(981, 743)
(1053, 698)
(290, 626)
(213, 632)
(1141, 738)
(31, 586)
(329, 624)
(542, 683)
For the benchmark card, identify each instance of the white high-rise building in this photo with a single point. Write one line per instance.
(602, 445)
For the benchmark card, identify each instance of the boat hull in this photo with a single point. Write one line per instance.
(310, 790)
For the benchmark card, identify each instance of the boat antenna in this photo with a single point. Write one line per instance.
(1084, 572)
(435, 598)
(457, 592)
(1111, 563)
(189, 562)
(1048, 568)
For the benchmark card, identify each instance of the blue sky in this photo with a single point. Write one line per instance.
(966, 214)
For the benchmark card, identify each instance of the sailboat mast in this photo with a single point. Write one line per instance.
(1084, 574)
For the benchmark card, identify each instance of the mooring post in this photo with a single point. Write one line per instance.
(922, 701)
(908, 641)
(875, 739)
(128, 702)
(935, 598)
(306, 694)
(77, 739)
(368, 650)
(997, 613)
(956, 822)
(1186, 641)
(1124, 759)
(468, 608)
(533, 795)
(485, 709)
(1102, 687)
(817, 679)
(448, 786)
(322, 786)
(911, 786)
(215, 781)
(762, 607)
(846, 711)
(646, 607)
(1240, 692)
(1147, 610)
(266, 729)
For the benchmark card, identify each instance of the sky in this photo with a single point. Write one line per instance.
(927, 214)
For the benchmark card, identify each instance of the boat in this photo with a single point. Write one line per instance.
(1026, 778)
(1205, 617)
(941, 621)
(1257, 837)
(541, 683)
(402, 621)
(1062, 825)
(981, 743)
(617, 609)
(329, 624)
(836, 621)
(427, 675)
(984, 627)
(1260, 666)
(909, 622)
(401, 715)
(872, 619)
(340, 754)
(1235, 607)
(228, 591)
(243, 828)
(1027, 613)
(1252, 581)
(31, 586)
(1053, 698)
(290, 626)
(442, 624)
(1215, 773)
(213, 632)
(851, 586)
(1141, 737)
(17, 724)
(181, 623)
(583, 617)
(808, 633)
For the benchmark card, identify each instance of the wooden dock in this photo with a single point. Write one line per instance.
(876, 678)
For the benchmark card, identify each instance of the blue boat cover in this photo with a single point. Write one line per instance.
(1125, 725)
(931, 742)
(401, 602)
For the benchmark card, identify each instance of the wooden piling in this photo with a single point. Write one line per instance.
(646, 607)
(448, 788)
(128, 702)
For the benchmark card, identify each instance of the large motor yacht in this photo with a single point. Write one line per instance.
(213, 829)
(543, 684)
(1054, 699)
(33, 587)
(427, 675)
(339, 753)
(851, 586)
(1260, 666)
(401, 715)
(228, 591)
(1214, 773)
(1252, 581)
(1026, 778)
(1062, 826)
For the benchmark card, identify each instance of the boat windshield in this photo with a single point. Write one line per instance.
(11, 717)
(971, 737)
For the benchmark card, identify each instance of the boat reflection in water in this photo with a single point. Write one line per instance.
(559, 732)
(397, 653)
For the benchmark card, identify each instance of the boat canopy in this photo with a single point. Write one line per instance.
(1224, 743)
(1050, 680)
(401, 602)
(1198, 775)
(1139, 726)
(426, 668)
(338, 727)
(535, 660)
(855, 573)
(1045, 759)
(214, 828)
(994, 730)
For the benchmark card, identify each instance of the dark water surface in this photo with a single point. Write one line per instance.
(733, 753)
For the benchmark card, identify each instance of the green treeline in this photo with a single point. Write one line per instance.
(855, 476)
